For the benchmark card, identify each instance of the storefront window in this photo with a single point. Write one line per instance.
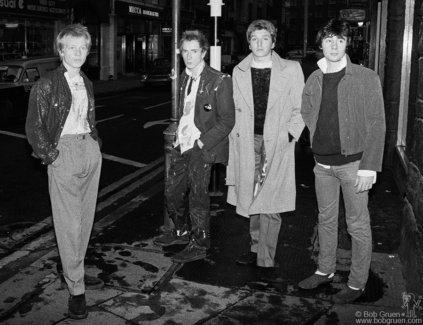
(26, 37)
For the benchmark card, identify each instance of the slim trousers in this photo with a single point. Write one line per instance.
(264, 228)
(189, 179)
(328, 183)
(73, 185)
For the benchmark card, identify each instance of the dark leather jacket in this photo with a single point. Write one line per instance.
(214, 112)
(49, 105)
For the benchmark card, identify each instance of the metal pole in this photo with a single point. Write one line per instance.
(170, 132)
(215, 62)
(305, 27)
(215, 50)
(26, 42)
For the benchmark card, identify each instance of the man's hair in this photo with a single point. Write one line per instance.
(334, 27)
(74, 30)
(259, 25)
(194, 35)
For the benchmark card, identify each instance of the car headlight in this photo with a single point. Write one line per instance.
(143, 77)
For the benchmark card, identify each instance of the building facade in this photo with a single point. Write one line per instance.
(28, 28)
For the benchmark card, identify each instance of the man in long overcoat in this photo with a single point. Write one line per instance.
(261, 169)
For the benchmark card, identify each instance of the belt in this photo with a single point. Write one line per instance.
(77, 137)
(81, 136)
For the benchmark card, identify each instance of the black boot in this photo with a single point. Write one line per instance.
(196, 249)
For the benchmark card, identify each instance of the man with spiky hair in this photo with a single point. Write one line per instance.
(343, 108)
(207, 115)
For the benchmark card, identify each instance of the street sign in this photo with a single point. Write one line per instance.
(353, 14)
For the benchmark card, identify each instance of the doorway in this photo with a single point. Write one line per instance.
(134, 50)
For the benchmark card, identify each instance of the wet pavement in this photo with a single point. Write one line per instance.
(215, 290)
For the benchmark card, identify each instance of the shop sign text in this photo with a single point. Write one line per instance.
(140, 11)
(55, 8)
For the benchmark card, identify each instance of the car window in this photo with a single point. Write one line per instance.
(31, 75)
(47, 67)
(10, 73)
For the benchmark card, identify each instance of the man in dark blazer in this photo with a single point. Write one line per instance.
(207, 116)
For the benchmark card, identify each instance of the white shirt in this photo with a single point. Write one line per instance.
(187, 131)
(77, 122)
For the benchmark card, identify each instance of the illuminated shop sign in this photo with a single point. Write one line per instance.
(353, 14)
(50, 8)
(129, 8)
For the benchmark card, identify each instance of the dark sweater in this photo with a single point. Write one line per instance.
(326, 141)
(261, 83)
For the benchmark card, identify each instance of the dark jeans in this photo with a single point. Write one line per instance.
(188, 179)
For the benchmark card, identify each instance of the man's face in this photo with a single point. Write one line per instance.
(261, 43)
(74, 52)
(334, 48)
(192, 54)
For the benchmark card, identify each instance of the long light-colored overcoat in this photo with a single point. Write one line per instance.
(278, 192)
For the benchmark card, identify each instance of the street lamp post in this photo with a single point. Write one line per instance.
(215, 49)
(215, 62)
(170, 132)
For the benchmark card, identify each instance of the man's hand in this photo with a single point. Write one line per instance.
(363, 183)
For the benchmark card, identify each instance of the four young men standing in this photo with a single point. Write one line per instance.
(341, 104)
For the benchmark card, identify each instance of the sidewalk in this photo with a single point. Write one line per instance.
(215, 291)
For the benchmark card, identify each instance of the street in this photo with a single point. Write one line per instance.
(131, 126)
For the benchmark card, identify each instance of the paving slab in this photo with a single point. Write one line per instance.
(181, 302)
(51, 306)
(96, 316)
(263, 308)
(129, 266)
(29, 281)
(363, 314)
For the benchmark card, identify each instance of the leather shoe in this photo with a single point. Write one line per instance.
(191, 253)
(247, 258)
(314, 281)
(270, 274)
(171, 238)
(347, 295)
(77, 307)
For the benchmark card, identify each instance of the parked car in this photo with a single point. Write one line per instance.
(297, 55)
(17, 76)
(228, 63)
(159, 74)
